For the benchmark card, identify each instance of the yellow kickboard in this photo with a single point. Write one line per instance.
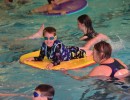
(66, 65)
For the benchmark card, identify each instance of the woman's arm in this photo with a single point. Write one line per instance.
(75, 77)
(92, 42)
(83, 38)
(122, 63)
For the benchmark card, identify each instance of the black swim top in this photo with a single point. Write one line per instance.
(90, 35)
(115, 66)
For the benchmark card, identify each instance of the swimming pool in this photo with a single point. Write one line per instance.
(111, 17)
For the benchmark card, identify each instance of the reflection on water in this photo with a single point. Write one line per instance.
(107, 90)
(110, 17)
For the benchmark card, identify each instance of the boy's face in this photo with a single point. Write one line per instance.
(49, 39)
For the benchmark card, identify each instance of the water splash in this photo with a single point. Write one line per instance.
(117, 45)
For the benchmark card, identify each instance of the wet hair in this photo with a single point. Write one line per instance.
(86, 20)
(49, 1)
(46, 90)
(50, 30)
(22, 1)
(10, 0)
(103, 49)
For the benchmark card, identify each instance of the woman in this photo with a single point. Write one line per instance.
(92, 37)
(108, 66)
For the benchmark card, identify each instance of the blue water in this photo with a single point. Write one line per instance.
(111, 17)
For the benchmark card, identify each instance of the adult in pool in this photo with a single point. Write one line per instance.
(90, 35)
(108, 66)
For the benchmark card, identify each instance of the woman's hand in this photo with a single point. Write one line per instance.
(72, 76)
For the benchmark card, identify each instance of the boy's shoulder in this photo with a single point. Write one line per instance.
(57, 41)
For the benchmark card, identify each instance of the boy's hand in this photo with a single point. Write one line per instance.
(49, 66)
(63, 12)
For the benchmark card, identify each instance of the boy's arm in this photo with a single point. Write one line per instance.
(41, 55)
(57, 55)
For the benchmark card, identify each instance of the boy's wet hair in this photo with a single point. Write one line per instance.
(49, 1)
(46, 89)
(49, 30)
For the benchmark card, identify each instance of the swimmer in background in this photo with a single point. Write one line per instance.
(50, 7)
(41, 92)
(38, 34)
(90, 36)
(10, 2)
(108, 66)
(55, 50)
(44, 92)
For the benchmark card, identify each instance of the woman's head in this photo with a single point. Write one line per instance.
(49, 34)
(84, 21)
(102, 50)
(49, 1)
(44, 92)
(52, 1)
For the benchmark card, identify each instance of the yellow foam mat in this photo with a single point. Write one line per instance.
(67, 65)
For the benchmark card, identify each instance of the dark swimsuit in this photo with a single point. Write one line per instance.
(90, 35)
(115, 66)
(10, 0)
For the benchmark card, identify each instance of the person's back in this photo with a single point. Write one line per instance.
(108, 66)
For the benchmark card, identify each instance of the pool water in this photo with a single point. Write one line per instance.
(111, 17)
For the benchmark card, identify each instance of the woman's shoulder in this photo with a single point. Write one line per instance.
(101, 70)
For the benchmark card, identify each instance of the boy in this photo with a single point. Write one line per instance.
(43, 92)
(56, 50)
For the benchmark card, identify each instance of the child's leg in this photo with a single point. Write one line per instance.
(76, 52)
